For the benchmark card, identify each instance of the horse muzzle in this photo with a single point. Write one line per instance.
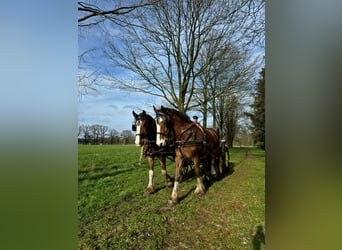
(161, 142)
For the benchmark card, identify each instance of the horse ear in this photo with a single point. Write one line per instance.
(134, 114)
(155, 110)
(144, 112)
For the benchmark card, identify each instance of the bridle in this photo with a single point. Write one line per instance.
(174, 140)
(144, 140)
(137, 122)
(168, 134)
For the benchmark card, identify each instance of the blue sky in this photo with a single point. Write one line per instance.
(109, 106)
(113, 108)
(106, 106)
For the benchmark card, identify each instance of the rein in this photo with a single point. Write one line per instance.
(184, 143)
(187, 143)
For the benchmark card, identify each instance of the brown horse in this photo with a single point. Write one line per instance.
(192, 143)
(145, 128)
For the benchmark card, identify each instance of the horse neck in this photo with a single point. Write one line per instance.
(152, 131)
(179, 125)
(152, 134)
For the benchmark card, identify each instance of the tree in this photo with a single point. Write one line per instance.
(127, 136)
(85, 129)
(258, 112)
(233, 110)
(243, 137)
(114, 136)
(92, 14)
(102, 131)
(161, 44)
(91, 17)
(94, 129)
(192, 54)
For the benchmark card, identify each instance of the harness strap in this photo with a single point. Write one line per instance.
(150, 150)
(187, 143)
(204, 136)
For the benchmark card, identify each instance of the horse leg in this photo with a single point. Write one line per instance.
(174, 195)
(141, 155)
(200, 189)
(150, 187)
(212, 166)
(168, 179)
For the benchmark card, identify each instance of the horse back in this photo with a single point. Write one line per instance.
(212, 135)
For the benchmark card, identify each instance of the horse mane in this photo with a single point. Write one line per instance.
(182, 116)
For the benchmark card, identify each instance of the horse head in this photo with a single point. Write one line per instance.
(164, 126)
(144, 127)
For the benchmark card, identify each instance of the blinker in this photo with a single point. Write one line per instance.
(134, 127)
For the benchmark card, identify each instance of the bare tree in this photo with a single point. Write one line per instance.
(102, 131)
(92, 14)
(127, 136)
(95, 12)
(86, 133)
(162, 44)
(232, 113)
(94, 129)
(229, 73)
(114, 136)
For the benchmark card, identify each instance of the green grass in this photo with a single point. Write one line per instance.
(114, 214)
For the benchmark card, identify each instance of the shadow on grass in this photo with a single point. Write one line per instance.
(186, 195)
(96, 169)
(103, 175)
(188, 174)
(228, 171)
(157, 189)
(258, 238)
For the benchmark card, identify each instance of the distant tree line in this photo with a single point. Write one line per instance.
(100, 134)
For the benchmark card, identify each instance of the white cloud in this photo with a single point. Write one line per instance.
(113, 108)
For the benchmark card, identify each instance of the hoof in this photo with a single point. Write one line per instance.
(172, 202)
(148, 191)
(199, 193)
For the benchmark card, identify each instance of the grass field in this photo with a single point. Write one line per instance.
(114, 214)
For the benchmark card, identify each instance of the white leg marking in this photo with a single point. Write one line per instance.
(150, 178)
(200, 187)
(174, 194)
